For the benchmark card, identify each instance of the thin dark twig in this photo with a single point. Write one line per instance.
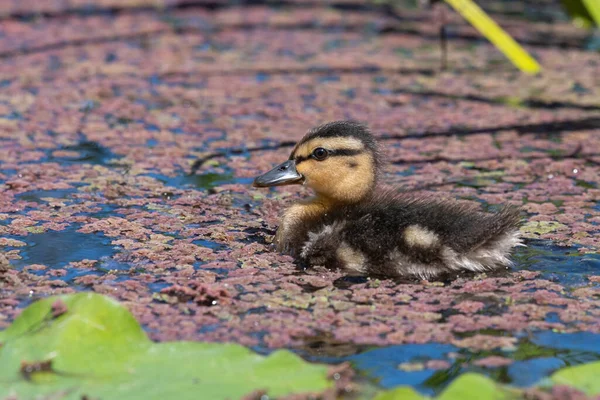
(547, 128)
(525, 102)
(312, 70)
(572, 154)
(444, 40)
(210, 5)
(80, 43)
(555, 127)
(226, 153)
(588, 158)
(575, 153)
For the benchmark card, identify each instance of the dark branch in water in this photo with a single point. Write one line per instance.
(525, 103)
(210, 5)
(572, 154)
(201, 161)
(549, 128)
(458, 180)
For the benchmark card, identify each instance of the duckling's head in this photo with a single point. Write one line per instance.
(340, 161)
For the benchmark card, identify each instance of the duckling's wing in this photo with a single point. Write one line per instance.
(417, 236)
(460, 226)
(450, 236)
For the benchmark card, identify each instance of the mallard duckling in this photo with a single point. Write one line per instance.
(354, 224)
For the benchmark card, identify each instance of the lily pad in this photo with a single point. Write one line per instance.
(583, 377)
(400, 393)
(89, 345)
(477, 387)
(465, 387)
(541, 227)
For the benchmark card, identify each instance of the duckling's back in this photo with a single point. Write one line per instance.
(395, 234)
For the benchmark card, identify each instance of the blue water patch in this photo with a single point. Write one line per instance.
(383, 363)
(535, 358)
(349, 93)
(36, 196)
(8, 172)
(552, 317)
(587, 344)
(558, 264)
(158, 286)
(329, 78)
(334, 44)
(152, 128)
(89, 153)
(409, 171)
(529, 372)
(14, 115)
(200, 181)
(108, 264)
(73, 273)
(262, 77)
(383, 91)
(56, 249)
(210, 244)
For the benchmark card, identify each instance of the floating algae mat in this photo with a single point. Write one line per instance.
(98, 136)
(87, 345)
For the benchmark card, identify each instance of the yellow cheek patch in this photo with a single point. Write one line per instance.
(343, 179)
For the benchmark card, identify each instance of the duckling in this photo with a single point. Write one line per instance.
(355, 224)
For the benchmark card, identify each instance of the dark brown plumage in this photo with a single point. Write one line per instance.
(354, 224)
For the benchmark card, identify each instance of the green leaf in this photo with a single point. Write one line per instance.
(88, 344)
(583, 377)
(495, 34)
(401, 393)
(471, 386)
(581, 12)
(593, 7)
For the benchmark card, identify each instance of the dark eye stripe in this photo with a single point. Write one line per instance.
(345, 152)
(332, 153)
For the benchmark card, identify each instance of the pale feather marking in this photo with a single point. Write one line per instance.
(417, 236)
(352, 259)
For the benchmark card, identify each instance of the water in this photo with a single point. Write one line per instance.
(210, 244)
(200, 181)
(558, 264)
(89, 153)
(383, 363)
(429, 368)
(36, 196)
(535, 358)
(56, 249)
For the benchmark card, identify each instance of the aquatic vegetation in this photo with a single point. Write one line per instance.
(103, 113)
(585, 13)
(87, 345)
(490, 29)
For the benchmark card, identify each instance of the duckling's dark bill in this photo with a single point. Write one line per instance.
(283, 174)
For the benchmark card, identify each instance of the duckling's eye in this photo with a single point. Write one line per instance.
(320, 154)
